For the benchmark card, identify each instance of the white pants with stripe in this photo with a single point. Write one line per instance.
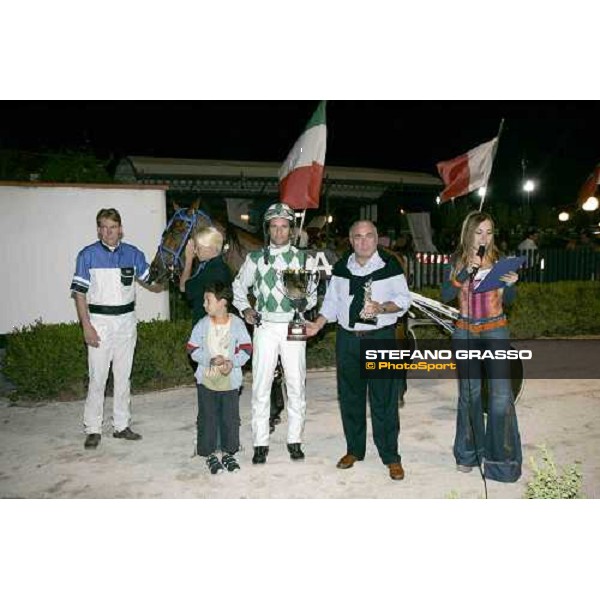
(270, 340)
(118, 336)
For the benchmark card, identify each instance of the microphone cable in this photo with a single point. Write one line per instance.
(470, 281)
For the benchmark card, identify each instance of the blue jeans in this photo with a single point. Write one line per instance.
(496, 443)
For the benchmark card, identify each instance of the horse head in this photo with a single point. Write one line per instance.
(169, 259)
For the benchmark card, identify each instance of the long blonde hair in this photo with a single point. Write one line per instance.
(467, 233)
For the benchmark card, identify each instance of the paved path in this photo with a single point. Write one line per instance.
(42, 455)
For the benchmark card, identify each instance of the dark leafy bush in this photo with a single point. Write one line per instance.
(160, 358)
(320, 351)
(50, 361)
(47, 361)
(562, 309)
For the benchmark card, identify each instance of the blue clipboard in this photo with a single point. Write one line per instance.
(492, 280)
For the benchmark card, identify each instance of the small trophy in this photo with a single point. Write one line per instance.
(365, 316)
(297, 285)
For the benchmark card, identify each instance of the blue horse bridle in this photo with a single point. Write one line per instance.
(190, 222)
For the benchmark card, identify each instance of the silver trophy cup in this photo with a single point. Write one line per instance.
(297, 285)
(366, 316)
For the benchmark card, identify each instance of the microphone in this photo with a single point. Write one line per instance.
(480, 253)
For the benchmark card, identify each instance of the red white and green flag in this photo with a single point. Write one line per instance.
(590, 186)
(467, 172)
(301, 174)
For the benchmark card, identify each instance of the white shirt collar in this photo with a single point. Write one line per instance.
(374, 262)
(274, 250)
(110, 248)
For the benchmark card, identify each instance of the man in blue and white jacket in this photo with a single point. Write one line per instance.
(104, 292)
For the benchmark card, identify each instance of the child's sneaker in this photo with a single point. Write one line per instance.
(214, 466)
(230, 463)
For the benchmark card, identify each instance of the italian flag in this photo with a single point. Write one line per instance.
(301, 174)
(467, 172)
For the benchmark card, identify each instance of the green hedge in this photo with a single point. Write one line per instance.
(561, 309)
(49, 361)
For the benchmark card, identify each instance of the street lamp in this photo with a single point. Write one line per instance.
(528, 187)
(563, 216)
(590, 204)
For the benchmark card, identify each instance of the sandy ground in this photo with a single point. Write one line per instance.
(42, 454)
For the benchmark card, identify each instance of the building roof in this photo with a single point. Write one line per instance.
(100, 186)
(260, 179)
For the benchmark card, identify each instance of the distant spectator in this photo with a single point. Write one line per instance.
(581, 241)
(585, 241)
(531, 241)
(404, 244)
(342, 246)
(529, 247)
(571, 242)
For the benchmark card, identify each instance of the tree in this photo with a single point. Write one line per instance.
(67, 166)
(74, 166)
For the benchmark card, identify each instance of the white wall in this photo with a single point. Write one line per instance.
(42, 230)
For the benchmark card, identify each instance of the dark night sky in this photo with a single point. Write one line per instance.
(559, 140)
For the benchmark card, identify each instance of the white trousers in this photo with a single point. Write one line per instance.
(118, 336)
(270, 340)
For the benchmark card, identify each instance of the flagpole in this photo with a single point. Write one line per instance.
(493, 160)
(301, 226)
(482, 200)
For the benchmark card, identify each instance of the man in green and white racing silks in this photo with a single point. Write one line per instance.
(273, 312)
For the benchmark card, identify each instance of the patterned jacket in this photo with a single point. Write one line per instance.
(271, 302)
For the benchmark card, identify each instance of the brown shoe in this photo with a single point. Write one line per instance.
(396, 471)
(347, 461)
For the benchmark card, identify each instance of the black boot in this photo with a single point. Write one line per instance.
(277, 401)
(260, 455)
(92, 440)
(295, 451)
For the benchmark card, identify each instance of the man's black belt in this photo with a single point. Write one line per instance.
(99, 309)
(366, 332)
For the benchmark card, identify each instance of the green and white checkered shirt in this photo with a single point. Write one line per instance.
(271, 303)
